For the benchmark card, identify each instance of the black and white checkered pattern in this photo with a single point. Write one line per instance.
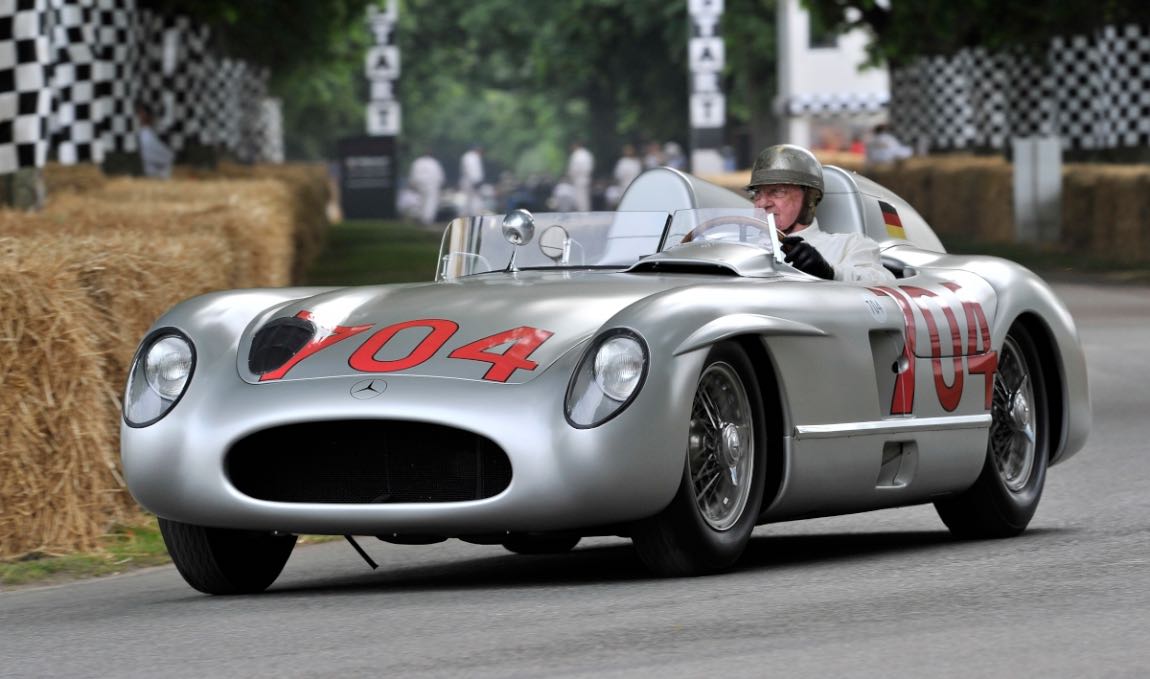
(25, 95)
(78, 114)
(72, 72)
(1091, 91)
(117, 32)
(836, 104)
(908, 110)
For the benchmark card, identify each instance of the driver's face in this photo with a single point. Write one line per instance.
(785, 201)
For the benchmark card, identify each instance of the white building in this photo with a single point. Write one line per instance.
(824, 98)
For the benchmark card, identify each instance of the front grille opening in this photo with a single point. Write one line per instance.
(367, 462)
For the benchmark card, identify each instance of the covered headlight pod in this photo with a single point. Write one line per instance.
(608, 378)
(159, 376)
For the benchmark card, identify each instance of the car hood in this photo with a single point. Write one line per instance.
(503, 328)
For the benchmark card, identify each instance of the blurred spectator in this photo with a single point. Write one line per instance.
(564, 197)
(857, 146)
(884, 147)
(155, 155)
(653, 156)
(426, 178)
(408, 201)
(626, 169)
(673, 156)
(730, 163)
(580, 165)
(470, 178)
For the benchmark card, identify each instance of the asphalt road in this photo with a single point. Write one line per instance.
(881, 594)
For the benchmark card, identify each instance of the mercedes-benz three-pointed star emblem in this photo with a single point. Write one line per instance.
(366, 389)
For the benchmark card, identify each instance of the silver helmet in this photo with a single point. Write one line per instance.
(790, 164)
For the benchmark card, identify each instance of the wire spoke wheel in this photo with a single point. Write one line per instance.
(1012, 438)
(720, 446)
(709, 521)
(1004, 497)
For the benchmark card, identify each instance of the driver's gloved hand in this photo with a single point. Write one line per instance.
(806, 258)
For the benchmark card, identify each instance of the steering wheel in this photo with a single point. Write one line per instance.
(722, 221)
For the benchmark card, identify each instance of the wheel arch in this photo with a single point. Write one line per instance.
(1053, 377)
(771, 396)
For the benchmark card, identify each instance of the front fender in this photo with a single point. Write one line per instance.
(733, 325)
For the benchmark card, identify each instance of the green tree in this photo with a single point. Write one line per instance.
(910, 29)
(599, 70)
(752, 70)
(523, 78)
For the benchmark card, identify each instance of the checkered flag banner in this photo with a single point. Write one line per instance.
(836, 104)
(1091, 91)
(73, 71)
(25, 96)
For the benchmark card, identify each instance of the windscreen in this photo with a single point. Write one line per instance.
(476, 245)
(588, 240)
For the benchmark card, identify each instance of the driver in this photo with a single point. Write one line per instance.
(787, 181)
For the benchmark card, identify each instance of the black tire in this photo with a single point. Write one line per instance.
(1003, 500)
(540, 543)
(681, 540)
(223, 561)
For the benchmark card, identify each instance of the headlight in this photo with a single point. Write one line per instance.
(167, 366)
(619, 364)
(160, 374)
(609, 376)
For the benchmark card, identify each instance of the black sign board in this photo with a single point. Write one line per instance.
(367, 177)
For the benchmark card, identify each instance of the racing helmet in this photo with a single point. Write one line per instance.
(790, 164)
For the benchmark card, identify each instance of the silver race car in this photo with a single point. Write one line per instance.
(656, 372)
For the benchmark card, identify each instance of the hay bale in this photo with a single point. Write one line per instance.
(972, 196)
(911, 179)
(1106, 210)
(310, 188)
(80, 283)
(80, 178)
(255, 216)
(59, 484)
(131, 273)
(90, 296)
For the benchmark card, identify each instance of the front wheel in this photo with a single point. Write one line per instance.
(708, 523)
(1002, 501)
(225, 561)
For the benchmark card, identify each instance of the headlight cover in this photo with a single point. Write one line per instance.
(610, 375)
(159, 376)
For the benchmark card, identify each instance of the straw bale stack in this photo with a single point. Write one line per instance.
(257, 217)
(80, 283)
(59, 484)
(131, 277)
(310, 188)
(80, 178)
(1106, 210)
(973, 196)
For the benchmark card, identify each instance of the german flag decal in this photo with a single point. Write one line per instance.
(893, 223)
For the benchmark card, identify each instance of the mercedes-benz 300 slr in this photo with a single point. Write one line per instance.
(658, 372)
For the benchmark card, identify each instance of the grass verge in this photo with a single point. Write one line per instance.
(125, 547)
(375, 252)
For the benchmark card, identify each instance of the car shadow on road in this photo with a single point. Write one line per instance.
(615, 563)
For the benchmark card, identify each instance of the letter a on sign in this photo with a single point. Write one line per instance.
(706, 55)
(382, 63)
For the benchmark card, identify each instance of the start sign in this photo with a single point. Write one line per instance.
(381, 65)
